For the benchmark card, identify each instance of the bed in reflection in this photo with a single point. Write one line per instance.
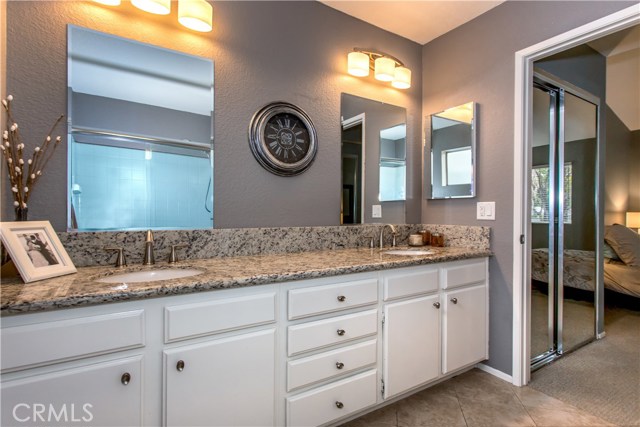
(579, 271)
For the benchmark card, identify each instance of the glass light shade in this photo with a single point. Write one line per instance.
(159, 7)
(358, 64)
(196, 15)
(384, 69)
(401, 78)
(108, 2)
(633, 219)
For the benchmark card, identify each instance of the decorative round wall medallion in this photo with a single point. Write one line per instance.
(283, 139)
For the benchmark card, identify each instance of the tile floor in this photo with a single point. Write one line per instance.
(476, 398)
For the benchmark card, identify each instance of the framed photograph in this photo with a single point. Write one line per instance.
(36, 250)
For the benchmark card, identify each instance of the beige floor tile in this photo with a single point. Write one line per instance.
(478, 385)
(485, 413)
(383, 417)
(434, 407)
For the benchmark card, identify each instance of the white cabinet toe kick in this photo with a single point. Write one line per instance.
(306, 353)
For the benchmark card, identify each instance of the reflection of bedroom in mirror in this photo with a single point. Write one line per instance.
(563, 218)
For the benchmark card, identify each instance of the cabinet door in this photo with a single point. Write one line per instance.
(464, 327)
(411, 344)
(224, 382)
(102, 394)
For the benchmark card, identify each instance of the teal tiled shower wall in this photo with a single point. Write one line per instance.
(118, 188)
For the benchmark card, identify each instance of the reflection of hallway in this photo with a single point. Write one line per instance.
(578, 326)
(602, 378)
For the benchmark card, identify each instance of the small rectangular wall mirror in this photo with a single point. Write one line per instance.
(140, 135)
(452, 136)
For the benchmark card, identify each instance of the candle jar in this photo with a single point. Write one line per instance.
(437, 240)
(426, 236)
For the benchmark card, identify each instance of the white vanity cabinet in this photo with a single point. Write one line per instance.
(224, 380)
(73, 367)
(438, 325)
(302, 353)
(331, 364)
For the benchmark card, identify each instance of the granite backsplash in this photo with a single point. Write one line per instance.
(87, 248)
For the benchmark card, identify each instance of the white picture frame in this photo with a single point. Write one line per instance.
(35, 250)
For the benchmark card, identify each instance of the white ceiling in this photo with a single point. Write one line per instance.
(417, 20)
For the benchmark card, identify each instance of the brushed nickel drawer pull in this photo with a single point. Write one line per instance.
(436, 304)
(126, 378)
(341, 332)
(339, 404)
(180, 365)
(339, 365)
(342, 298)
(454, 300)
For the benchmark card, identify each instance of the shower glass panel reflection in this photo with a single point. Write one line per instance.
(564, 178)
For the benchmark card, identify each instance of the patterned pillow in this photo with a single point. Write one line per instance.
(625, 242)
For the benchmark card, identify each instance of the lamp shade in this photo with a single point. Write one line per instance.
(108, 2)
(633, 219)
(401, 78)
(159, 7)
(196, 15)
(384, 69)
(358, 64)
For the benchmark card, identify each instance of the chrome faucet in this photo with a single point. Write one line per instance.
(149, 259)
(393, 234)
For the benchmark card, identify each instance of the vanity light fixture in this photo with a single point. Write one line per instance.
(159, 7)
(385, 67)
(196, 15)
(108, 2)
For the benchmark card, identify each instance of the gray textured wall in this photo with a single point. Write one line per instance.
(634, 173)
(476, 62)
(618, 169)
(263, 52)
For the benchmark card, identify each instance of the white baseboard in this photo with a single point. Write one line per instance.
(495, 372)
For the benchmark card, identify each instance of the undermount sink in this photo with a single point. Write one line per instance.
(151, 275)
(408, 252)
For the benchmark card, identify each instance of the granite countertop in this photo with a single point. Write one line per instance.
(82, 289)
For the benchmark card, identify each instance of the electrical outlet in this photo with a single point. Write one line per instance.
(376, 211)
(486, 211)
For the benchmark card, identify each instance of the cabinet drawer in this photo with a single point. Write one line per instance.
(101, 394)
(191, 320)
(410, 282)
(324, 299)
(50, 342)
(465, 274)
(330, 364)
(332, 402)
(330, 331)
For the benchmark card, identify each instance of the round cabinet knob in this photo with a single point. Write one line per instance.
(341, 332)
(436, 304)
(126, 378)
(454, 300)
(342, 298)
(180, 365)
(339, 365)
(339, 405)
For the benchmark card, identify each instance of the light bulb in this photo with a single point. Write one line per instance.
(196, 15)
(384, 68)
(358, 64)
(401, 78)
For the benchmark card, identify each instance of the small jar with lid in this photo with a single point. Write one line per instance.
(437, 240)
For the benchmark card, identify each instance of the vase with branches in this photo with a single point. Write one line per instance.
(25, 169)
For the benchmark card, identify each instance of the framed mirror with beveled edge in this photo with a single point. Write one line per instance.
(452, 148)
(140, 134)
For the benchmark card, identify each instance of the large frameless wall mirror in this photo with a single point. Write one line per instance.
(140, 134)
(374, 146)
(453, 152)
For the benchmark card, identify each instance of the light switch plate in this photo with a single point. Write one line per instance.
(376, 211)
(486, 211)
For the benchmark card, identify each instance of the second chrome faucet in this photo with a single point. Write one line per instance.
(149, 257)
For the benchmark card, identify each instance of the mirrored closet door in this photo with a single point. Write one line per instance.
(564, 244)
